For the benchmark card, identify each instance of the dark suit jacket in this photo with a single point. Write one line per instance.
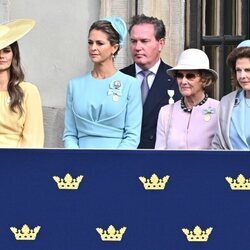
(157, 97)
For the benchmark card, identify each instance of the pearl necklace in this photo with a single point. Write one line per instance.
(189, 110)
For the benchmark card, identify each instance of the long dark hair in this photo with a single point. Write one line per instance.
(16, 76)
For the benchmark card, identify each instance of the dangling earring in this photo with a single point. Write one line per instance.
(113, 57)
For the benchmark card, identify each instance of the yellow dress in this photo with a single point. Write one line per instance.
(26, 131)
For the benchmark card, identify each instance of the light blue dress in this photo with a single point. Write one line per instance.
(240, 124)
(104, 114)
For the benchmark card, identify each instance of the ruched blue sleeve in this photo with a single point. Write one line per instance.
(70, 136)
(133, 117)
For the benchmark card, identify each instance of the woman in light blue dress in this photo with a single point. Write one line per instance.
(234, 111)
(103, 108)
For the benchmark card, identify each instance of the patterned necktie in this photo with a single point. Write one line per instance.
(144, 85)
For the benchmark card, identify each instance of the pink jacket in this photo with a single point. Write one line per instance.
(187, 130)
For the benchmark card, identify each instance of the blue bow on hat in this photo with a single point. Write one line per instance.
(120, 26)
(245, 43)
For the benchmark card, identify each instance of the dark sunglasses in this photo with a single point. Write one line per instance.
(189, 76)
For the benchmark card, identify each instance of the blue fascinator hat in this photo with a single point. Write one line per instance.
(120, 27)
(245, 43)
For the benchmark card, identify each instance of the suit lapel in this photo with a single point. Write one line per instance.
(158, 92)
(130, 70)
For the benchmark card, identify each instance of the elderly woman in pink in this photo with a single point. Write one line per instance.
(191, 122)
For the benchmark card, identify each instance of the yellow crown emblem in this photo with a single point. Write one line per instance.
(25, 233)
(154, 183)
(68, 182)
(197, 234)
(111, 234)
(241, 183)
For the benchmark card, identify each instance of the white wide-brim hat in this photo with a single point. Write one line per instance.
(192, 59)
(12, 31)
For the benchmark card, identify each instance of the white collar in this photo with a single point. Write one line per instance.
(152, 69)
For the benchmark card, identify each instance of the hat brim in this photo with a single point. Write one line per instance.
(13, 31)
(245, 43)
(120, 27)
(172, 71)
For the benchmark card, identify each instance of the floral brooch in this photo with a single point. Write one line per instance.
(207, 113)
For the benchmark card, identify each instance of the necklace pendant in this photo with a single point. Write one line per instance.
(207, 117)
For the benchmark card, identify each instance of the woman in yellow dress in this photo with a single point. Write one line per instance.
(21, 119)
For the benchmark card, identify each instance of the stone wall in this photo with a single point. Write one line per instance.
(171, 12)
(56, 49)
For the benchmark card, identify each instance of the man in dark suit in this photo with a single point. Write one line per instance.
(147, 38)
